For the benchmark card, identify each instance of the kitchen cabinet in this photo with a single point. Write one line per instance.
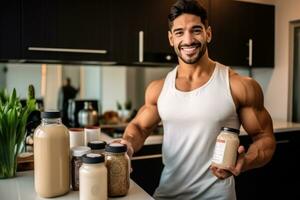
(276, 180)
(243, 33)
(10, 24)
(141, 37)
(147, 167)
(66, 30)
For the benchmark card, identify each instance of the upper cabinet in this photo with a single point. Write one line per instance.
(130, 32)
(243, 33)
(140, 31)
(66, 30)
(10, 25)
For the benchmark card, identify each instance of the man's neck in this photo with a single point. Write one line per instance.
(204, 66)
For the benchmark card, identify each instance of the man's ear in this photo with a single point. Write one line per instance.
(170, 38)
(209, 34)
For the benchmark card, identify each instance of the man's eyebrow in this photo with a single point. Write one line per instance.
(177, 29)
(198, 26)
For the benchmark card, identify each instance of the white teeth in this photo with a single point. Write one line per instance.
(188, 49)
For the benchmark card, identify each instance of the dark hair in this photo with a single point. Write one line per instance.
(189, 7)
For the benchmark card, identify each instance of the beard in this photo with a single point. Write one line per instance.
(194, 57)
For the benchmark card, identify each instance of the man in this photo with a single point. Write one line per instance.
(193, 102)
(66, 92)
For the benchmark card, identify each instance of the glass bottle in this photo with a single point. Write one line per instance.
(51, 156)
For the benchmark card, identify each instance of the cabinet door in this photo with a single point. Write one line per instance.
(243, 33)
(84, 26)
(156, 42)
(229, 37)
(66, 30)
(39, 26)
(140, 31)
(275, 180)
(127, 22)
(263, 35)
(10, 24)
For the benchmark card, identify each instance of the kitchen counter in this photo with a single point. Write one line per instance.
(279, 127)
(22, 188)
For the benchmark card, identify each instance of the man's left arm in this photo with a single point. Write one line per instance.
(257, 122)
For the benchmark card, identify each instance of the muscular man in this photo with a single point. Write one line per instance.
(196, 99)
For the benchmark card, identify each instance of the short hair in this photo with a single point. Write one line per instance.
(189, 7)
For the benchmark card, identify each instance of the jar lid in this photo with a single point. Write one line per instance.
(50, 114)
(116, 148)
(80, 151)
(98, 144)
(237, 131)
(92, 158)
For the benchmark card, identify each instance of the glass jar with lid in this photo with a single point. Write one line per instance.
(97, 146)
(76, 162)
(93, 178)
(118, 168)
(226, 149)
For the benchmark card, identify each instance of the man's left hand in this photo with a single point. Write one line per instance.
(225, 173)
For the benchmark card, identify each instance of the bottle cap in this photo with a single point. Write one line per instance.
(116, 148)
(98, 144)
(50, 114)
(237, 131)
(92, 158)
(80, 151)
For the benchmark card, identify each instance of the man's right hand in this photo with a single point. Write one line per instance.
(130, 150)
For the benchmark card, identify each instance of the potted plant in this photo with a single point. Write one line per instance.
(13, 119)
(127, 111)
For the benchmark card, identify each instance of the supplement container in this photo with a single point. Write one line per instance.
(227, 144)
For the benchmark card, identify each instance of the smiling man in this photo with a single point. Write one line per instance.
(196, 99)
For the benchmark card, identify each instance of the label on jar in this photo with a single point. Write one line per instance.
(219, 151)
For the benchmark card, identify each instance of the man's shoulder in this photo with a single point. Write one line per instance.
(154, 89)
(245, 89)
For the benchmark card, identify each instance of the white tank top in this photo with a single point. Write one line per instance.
(192, 121)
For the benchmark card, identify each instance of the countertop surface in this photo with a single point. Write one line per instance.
(22, 188)
(278, 125)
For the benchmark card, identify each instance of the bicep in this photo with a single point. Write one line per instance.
(253, 115)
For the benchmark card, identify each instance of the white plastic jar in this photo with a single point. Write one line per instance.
(93, 178)
(226, 149)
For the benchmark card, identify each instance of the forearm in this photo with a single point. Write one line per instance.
(135, 135)
(259, 153)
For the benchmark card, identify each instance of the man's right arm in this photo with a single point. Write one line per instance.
(145, 121)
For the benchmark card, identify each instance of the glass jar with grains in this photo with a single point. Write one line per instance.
(227, 144)
(118, 166)
(76, 162)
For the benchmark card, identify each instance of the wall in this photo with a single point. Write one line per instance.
(276, 93)
(2, 76)
(19, 78)
(113, 87)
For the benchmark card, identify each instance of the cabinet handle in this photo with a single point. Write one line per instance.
(250, 52)
(68, 50)
(141, 46)
(282, 142)
(146, 157)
